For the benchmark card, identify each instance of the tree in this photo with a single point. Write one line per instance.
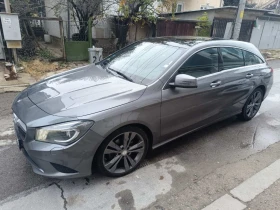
(143, 11)
(204, 26)
(27, 8)
(81, 11)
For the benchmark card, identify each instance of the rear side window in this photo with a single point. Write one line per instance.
(232, 57)
(251, 59)
(202, 63)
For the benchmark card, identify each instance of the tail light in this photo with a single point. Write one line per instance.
(271, 70)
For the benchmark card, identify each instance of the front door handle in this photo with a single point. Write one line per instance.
(215, 84)
(248, 76)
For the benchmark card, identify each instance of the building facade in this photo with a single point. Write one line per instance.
(190, 5)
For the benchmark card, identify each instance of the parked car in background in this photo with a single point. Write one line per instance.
(149, 93)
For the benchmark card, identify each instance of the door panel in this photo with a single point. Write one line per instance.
(218, 95)
(237, 88)
(238, 82)
(184, 109)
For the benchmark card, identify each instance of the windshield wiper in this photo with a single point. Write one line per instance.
(121, 74)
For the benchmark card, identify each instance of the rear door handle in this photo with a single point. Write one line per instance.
(215, 84)
(248, 76)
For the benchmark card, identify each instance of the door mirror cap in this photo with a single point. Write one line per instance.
(184, 81)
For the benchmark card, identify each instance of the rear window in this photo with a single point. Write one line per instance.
(232, 57)
(251, 59)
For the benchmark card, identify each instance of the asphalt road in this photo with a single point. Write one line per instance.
(199, 154)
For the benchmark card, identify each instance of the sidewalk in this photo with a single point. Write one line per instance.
(244, 194)
(26, 79)
(252, 183)
(17, 85)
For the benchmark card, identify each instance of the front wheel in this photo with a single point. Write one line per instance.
(252, 105)
(122, 152)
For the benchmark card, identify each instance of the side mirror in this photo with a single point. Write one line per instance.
(184, 81)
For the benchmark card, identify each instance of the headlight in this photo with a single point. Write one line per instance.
(64, 133)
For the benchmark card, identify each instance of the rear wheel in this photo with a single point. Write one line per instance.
(122, 152)
(252, 105)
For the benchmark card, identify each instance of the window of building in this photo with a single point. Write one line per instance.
(179, 8)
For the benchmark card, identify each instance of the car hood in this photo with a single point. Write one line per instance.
(83, 91)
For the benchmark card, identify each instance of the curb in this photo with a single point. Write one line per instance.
(12, 89)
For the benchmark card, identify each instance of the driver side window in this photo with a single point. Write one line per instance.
(202, 63)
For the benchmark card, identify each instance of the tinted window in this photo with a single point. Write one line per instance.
(202, 63)
(232, 58)
(144, 62)
(251, 59)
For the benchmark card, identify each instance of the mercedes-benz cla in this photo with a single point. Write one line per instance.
(109, 115)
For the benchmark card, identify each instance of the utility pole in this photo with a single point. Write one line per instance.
(277, 7)
(68, 20)
(238, 20)
(8, 10)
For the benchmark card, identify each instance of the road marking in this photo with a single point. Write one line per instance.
(255, 185)
(224, 203)
(7, 142)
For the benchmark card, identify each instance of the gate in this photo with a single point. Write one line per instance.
(175, 28)
(219, 28)
(266, 35)
(78, 40)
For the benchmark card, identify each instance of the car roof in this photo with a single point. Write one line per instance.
(196, 43)
(183, 42)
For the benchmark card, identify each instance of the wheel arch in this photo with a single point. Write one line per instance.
(263, 88)
(145, 128)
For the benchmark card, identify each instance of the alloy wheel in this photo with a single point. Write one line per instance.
(124, 152)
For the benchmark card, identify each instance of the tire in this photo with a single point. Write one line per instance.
(117, 157)
(252, 105)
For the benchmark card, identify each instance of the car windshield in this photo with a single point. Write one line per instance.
(144, 62)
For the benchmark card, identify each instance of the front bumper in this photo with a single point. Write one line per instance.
(52, 160)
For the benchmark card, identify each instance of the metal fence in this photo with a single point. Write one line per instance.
(44, 36)
(219, 27)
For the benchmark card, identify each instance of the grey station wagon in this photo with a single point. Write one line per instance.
(109, 115)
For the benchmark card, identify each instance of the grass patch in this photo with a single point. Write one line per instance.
(37, 68)
(45, 54)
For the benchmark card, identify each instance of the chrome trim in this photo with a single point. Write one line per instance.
(17, 121)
